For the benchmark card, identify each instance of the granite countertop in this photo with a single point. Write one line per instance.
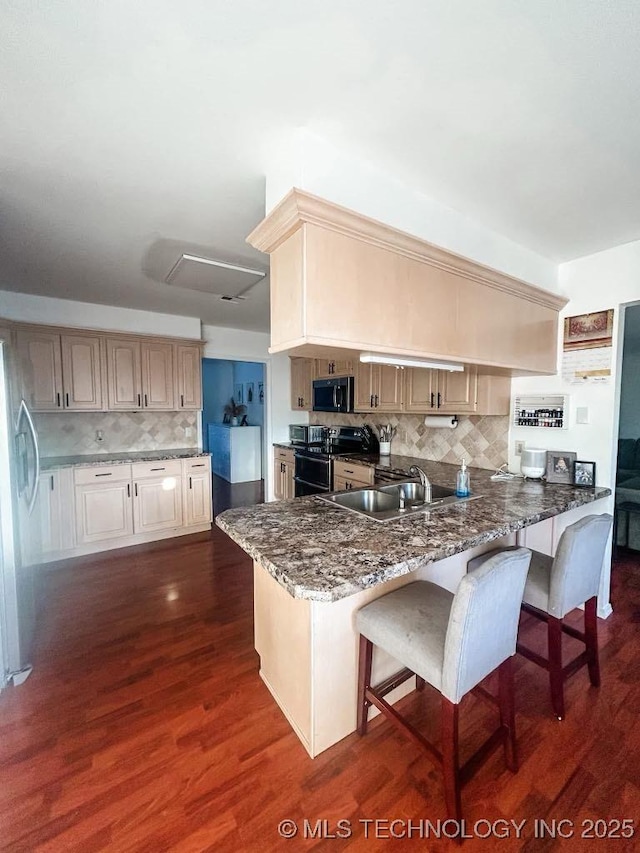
(87, 459)
(322, 552)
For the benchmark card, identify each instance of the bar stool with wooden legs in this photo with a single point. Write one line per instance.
(452, 642)
(557, 585)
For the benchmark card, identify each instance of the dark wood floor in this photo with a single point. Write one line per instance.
(145, 727)
(227, 495)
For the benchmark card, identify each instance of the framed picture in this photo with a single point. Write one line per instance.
(238, 393)
(584, 474)
(560, 466)
(261, 392)
(249, 393)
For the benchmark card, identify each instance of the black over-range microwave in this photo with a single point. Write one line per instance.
(333, 395)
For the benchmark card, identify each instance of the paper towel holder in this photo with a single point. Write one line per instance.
(441, 421)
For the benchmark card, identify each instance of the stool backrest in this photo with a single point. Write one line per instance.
(577, 566)
(483, 624)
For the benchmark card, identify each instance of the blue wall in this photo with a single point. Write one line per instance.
(219, 379)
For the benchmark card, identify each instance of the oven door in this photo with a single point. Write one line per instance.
(312, 475)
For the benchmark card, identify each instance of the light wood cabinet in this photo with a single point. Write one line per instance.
(103, 511)
(197, 491)
(348, 475)
(140, 375)
(283, 473)
(467, 392)
(424, 301)
(157, 503)
(55, 510)
(188, 377)
(302, 374)
(325, 368)
(60, 371)
(378, 388)
(157, 375)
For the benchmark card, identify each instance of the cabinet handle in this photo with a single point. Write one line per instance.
(156, 469)
(146, 401)
(52, 486)
(432, 399)
(182, 400)
(67, 400)
(190, 483)
(198, 465)
(439, 397)
(349, 471)
(128, 490)
(371, 402)
(376, 401)
(139, 401)
(136, 489)
(108, 474)
(58, 400)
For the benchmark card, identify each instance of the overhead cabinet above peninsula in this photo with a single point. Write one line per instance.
(78, 370)
(342, 282)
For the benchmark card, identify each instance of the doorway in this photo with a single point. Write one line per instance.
(238, 468)
(627, 497)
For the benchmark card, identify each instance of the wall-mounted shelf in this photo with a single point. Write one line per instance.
(549, 411)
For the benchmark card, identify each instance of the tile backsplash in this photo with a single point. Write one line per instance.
(482, 440)
(70, 433)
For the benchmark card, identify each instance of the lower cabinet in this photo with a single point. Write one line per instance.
(283, 473)
(103, 508)
(157, 496)
(93, 508)
(347, 475)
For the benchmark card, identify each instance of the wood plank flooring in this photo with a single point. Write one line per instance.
(145, 727)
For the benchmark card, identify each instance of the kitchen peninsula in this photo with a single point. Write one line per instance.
(316, 564)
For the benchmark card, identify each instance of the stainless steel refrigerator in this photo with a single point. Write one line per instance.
(19, 530)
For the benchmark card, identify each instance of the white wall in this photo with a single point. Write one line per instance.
(239, 345)
(25, 308)
(309, 162)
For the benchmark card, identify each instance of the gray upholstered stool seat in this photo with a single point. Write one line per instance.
(452, 642)
(557, 585)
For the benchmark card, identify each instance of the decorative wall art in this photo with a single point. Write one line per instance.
(249, 393)
(587, 347)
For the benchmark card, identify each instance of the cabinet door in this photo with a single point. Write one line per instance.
(197, 498)
(363, 394)
(81, 372)
(388, 384)
(278, 480)
(343, 367)
(189, 376)
(289, 486)
(339, 484)
(157, 375)
(421, 385)
(323, 368)
(41, 367)
(157, 504)
(103, 511)
(457, 392)
(302, 372)
(49, 511)
(124, 381)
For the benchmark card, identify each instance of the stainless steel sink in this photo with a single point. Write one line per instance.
(383, 503)
(414, 492)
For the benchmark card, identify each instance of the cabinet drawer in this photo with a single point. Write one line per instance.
(283, 454)
(101, 474)
(361, 473)
(199, 464)
(161, 468)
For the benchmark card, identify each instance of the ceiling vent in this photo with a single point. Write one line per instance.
(228, 282)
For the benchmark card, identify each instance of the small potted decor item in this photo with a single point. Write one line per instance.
(233, 411)
(385, 434)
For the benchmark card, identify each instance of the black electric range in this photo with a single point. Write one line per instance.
(314, 465)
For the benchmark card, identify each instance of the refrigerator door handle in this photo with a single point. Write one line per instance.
(24, 412)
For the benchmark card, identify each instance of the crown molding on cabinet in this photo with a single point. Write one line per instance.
(299, 207)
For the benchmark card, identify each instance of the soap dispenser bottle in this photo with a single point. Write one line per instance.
(463, 488)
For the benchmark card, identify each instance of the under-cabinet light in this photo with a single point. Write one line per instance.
(407, 361)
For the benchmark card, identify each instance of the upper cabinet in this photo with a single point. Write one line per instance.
(325, 368)
(302, 374)
(378, 388)
(342, 281)
(188, 376)
(468, 392)
(60, 371)
(97, 372)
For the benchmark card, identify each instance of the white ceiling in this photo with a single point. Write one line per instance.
(131, 128)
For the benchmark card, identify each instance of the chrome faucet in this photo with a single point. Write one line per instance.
(424, 482)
